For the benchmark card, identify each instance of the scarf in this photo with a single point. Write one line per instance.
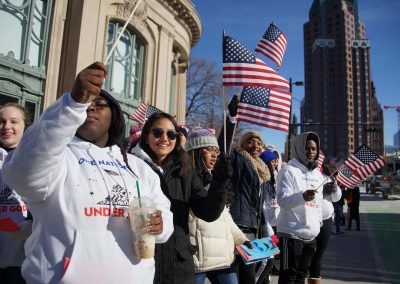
(258, 164)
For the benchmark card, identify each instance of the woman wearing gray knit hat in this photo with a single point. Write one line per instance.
(215, 241)
(249, 181)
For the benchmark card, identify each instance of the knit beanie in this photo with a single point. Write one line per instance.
(249, 135)
(200, 138)
(268, 156)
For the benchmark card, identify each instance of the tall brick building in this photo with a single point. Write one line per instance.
(339, 93)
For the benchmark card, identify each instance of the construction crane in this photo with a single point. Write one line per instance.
(397, 108)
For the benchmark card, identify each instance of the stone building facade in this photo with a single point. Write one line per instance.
(46, 43)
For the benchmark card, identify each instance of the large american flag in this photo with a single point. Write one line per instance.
(346, 178)
(143, 112)
(265, 107)
(364, 162)
(273, 44)
(242, 68)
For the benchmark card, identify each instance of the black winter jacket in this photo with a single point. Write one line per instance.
(246, 208)
(174, 259)
(248, 200)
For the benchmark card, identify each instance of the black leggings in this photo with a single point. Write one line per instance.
(295, 260)
(322, 242)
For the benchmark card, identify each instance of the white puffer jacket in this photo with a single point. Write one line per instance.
(215, 241)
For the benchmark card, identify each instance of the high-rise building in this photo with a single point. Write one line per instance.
(396, 139)
(339, 94)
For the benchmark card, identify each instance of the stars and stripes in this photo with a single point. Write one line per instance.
(321, 159)
(364, 162)
(143, 112)
(346, 178)
(265, 107)
(242, 68)
(273, 44)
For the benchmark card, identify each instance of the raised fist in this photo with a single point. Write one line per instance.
(88, 83)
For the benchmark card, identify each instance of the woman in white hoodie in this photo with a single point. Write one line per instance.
(300, 217)
(78, 186)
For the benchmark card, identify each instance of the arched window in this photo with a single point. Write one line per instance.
(23, 51)
(125, 66)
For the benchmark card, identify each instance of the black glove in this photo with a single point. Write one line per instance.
(223, 169)
(329, 188)
(248, 244)
(233, 105)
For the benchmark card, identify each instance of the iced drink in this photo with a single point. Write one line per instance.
(139, 216)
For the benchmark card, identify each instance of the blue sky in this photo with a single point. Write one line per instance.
(246, 21)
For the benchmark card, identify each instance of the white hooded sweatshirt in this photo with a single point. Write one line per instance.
(12, 208)
(298, 218)
(78, 194)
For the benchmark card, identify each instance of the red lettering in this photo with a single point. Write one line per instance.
(90, 213)
(17, 208)
(3, 209)
(121, 212)
(97, 211)
(311, 204)
(106, 211)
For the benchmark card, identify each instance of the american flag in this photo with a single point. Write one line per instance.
(242, 68)
(346, 178)
(143, 112)
(364, 162)
(320, 160)
(265, 107)
(273, 44)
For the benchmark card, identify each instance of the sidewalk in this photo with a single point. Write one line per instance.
(371, 255)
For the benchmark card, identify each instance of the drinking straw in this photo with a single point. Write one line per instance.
(138, 193)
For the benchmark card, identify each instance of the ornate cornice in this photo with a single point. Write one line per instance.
(185, 13)
(139, 20)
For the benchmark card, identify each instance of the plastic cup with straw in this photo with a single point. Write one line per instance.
(140, 210)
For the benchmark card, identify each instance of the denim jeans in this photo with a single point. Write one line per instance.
(220, 276)
(338, 217)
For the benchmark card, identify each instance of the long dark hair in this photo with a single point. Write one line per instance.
(198, 163)
(178, 154)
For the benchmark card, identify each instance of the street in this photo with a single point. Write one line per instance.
(371, 255)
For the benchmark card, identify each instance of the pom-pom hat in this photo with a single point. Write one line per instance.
(201, 138)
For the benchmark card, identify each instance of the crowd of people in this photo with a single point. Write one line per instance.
(68, 180)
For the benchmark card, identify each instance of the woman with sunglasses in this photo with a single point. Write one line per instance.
(215, 241)
(161, 147)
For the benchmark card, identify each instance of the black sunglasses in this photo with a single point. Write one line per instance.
(158, 132)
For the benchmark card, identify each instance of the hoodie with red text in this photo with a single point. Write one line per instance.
(79, 194)
(298, 218)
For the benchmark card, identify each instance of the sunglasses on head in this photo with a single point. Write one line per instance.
(158, 132)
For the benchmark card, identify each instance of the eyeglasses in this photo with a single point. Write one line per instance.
(99, 104)
(212, 150)
(158, 132)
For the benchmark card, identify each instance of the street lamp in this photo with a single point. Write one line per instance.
(289, 138)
